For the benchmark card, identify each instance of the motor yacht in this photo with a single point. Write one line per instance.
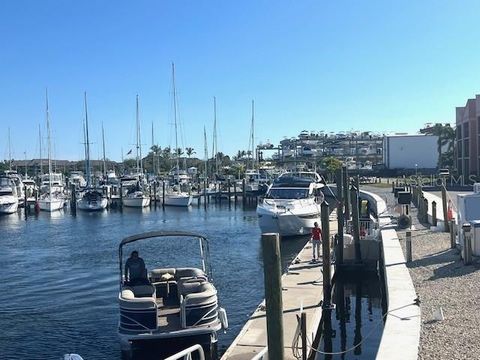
(169, 303)
(292, 204)
(8, 196)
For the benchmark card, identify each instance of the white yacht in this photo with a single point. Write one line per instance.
(168, 303)
(133, 186)
(8, 196)
(177, 198)
(31, 189)
(291, 205)
(254, 179)
(52, 199)
(17, 182)
(76, 177)
(92, 199)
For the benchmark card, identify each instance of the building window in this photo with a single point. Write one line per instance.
(466, 130)
(466, 168)
(466, 148)
(459, 132)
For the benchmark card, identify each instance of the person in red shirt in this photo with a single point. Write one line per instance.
(316, 240)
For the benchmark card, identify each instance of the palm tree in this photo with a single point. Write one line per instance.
(189, 151)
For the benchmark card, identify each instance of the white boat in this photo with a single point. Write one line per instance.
(52, 200)
(136, 199)
(8, 196)
(254, 180)
(168, 303)
(76, 177)
(31, 189)
(18, 183)
(174, 195)
(92, 199)
(178, 199)
(133, 185)
(291, 205)
(53, 181)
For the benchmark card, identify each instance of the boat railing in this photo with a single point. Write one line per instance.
(188, 352)
(262, 354)
(368, 229)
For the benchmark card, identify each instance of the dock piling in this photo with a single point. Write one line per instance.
(346, 199)
(452, 234)
(163, 194)
(340, 217)
(356, 224)
(25, 201)
(73, 200)
(434, 213)
(409, 246)
(327, 278)
(444, 206)
(273, 294)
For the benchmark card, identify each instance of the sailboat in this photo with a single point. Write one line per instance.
(52, 200)
(135, 196)
(174, 196)
(92, 199)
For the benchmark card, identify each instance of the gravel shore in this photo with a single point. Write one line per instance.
(442, 281)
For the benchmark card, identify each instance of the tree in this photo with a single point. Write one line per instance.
(332, 164)
(189, 151)
(445, 143)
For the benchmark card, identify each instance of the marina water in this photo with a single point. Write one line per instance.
(60, 274)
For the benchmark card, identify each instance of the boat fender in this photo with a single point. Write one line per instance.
(222, 315)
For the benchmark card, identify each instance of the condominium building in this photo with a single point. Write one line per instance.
(467, 152)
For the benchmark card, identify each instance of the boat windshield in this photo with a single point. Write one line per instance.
(287, 193)
(4, 192)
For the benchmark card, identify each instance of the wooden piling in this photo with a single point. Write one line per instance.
(244, 193)
(409, 246)
(155, 193)
(340, 217)
(25, 201)
(327, 277)
(426, 210)
(273, 294)
(434, 213)
(163, 194)
(452, 234)
(205, 194)
(346, 195)
(73, 200)
(229, 193)
(356, 224)
(444, 206)
(235, 192)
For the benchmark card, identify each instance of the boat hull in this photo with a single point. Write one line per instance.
(287, 223)
(138, 202)
(8, 207)
(92, 205)
(51, 205)
(178, 200)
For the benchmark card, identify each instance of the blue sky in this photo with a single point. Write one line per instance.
(309, 64)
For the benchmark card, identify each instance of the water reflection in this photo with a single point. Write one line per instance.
(357, 325)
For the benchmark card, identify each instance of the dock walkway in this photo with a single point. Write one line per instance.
(302, 287)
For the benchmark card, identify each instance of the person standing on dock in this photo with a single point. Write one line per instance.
(316, 240)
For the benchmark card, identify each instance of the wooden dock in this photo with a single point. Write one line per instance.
(302, 287)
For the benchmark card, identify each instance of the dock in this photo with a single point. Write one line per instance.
(302, 287)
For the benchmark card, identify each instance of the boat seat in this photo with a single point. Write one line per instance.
(187, 286)
(204, 293)
(199, 307)
(182, 273)
(140, 291)
(156, 274)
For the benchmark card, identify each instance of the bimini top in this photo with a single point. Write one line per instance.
(292, 181)
(154, 234)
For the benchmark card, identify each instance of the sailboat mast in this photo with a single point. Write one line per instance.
(215, 145)
(104, 160)
(87, 143)
(49, 147)
(138, 136)
(9, 151)
(205, 151)
(40, 139)
(175, 119)
(253, 135)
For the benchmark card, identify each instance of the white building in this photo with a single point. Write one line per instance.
(410, 151)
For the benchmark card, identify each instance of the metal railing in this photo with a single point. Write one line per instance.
(188, 352)
(368, 229)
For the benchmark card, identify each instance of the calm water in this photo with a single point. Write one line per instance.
(59, 283)
(356, 324)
